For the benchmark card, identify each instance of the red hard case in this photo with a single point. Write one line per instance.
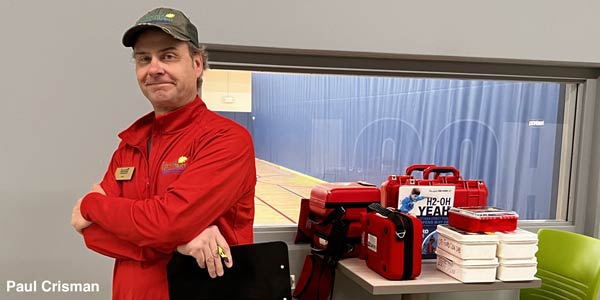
(471, 192)
(389, 188)
(467, 192)
(482, 219)
(387, 254)
(354, 197)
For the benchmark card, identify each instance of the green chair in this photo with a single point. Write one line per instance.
(569, 266)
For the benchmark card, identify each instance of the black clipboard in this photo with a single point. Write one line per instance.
(260, 271)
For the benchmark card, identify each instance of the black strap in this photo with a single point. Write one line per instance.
(337, 214)
(409, 246)
(336, 243)
(394, 216)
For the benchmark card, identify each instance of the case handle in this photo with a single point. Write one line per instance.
(437, 170)
(417, 167)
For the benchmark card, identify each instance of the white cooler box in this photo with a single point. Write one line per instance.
(518, 244)
(466, 245)
(517, 269)
(467, 270)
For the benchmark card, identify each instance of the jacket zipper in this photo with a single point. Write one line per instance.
(153, 172)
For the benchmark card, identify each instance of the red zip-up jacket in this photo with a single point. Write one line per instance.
(200, 171)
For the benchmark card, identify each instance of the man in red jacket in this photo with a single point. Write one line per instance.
(182, 178)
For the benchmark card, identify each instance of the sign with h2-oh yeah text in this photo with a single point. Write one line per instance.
(431, 205)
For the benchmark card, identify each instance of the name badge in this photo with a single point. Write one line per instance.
(124, 173)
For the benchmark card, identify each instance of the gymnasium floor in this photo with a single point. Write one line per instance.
(278, 193)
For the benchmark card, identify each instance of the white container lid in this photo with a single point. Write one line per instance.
(479, 212)
(516, 250)
(492, 262)
(517, 236)
(520, 262)
(466, 237)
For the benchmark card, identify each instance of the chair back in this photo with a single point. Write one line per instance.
(568, 265)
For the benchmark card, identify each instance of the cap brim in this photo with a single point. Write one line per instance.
(132, 34)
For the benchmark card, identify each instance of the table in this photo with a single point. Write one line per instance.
(353, 273)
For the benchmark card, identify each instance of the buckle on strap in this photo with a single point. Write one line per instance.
(400, 234)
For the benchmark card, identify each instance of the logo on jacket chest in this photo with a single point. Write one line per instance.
(174, 167)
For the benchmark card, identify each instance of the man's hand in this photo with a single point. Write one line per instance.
(77, 220)
(204, 248)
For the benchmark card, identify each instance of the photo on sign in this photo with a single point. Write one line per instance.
(431, 205)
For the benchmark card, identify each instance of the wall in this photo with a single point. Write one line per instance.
(530, 30)
(68, 87)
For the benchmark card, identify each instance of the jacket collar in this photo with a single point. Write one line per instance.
(137, 134)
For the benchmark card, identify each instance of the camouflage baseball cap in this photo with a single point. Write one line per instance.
(171, 21)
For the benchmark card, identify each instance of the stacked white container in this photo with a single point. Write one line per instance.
(516, 255)
(468, 257)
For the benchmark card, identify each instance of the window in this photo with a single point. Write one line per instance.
(348, 128)
(512, 125)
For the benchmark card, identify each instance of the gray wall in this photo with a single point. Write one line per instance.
(68, 87)
(512, 29)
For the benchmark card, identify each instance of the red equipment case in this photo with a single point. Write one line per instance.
(354, 197)
(389, 188)
(317, 232)
(393, 243)
(482, 219)
(471, 192)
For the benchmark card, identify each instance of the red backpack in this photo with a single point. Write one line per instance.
(318, 272)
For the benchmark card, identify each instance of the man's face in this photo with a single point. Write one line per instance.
(165, 70)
